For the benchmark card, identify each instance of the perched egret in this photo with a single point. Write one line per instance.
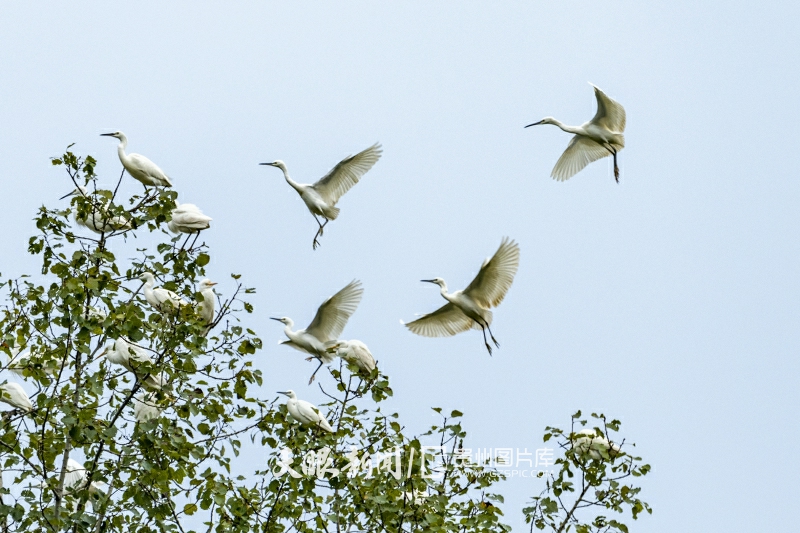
(121, 352)
(321, 197)
(144, 407)
(187, 218)
(97, 219)
(330, 320)
(469, 308)
(593, 140)
(305, 412)
(355, 352)
(206, 307)
(75, 479)
(162, 299)
(587, 440)
(139, 166)
(12, 394)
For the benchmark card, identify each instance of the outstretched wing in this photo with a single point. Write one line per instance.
(580, 152)
(444, 322)
(346, 174)
(495, 276)
(610, 114)
(296, 346)
(333, 314)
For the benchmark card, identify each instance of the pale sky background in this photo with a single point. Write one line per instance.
(669, 301)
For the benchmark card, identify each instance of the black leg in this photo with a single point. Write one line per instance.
(492, 336)
(310, 381)
(483, 330)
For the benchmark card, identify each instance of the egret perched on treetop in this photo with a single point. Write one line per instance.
(330, 320)
(305, 412)
(97, 219)
(355, 352)
(469, 308)
(162, 299)
(593, 442)
(187, 218)
(139, 166)
(206, 307)
(321, 197)
(130, 356)
(593, 140)
(13, 394)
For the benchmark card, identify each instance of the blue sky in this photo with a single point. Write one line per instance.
(669, 301)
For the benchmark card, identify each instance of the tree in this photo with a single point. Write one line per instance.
(600, 464)
(155, 444)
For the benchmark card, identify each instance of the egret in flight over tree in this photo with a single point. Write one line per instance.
(162, 299)
(305, 412)
(469, 308)
(330, 320)
(13, 394)
(139, 166)
(321, 197)
(187, 218)
(593, 140)
(355, 352)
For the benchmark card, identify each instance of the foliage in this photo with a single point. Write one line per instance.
(185, 469)
(600, 464)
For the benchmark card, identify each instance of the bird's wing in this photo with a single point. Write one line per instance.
(338, 181)
(495, 276)
(142, 164)
(610, 113)
(580, 152)
(333, 314)
(444, 322)
(165, 295)
(308, 411)
(296, 346)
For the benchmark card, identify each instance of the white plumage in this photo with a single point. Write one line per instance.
(132, 357)
(305, 412)
(138, 166)
(144, 407)
(593, 140)
(355, 352)
(328, 324)
(188, 218)
(97, 218)
(162, 299)
(587, 440)
(321, 197)
(206, 307)
(469, 308)
(13, 394)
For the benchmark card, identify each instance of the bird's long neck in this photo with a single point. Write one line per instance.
(296, 186)
(123, 143)
(444, 293)
(568, 129)
(288, 329)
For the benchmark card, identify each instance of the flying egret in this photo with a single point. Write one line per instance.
(330, 320)
(355, 352)
(593, 140)
(13, 394)
(121, 352)
(97, 220)
(469, 308)
(144, 407)
(162, 299)
(139, 166)
(588, 440)
(206, 307)
(187, 218)
(321, 197)
(305, 412)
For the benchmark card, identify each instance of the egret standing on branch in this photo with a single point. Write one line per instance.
(321, 197)
(330, 320)
(187, 218)
(470, 308)
(355, 352)
(305, 412)
(130, 356)
(97, 219)
(162, 299)
(139, 166)
(206, 307)
(593, 140)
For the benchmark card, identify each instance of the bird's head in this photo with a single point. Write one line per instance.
(277, 164)
(80, 190)
(117, 134)
(436, 281)
(107, 348)
(147, 277)
(545, 120)
(206, 284)
(283, 320)
(290, 393)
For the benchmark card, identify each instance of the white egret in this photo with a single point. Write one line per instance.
(588, 440)
(75, 480)
(138, 166)
(469, 308)
(305, 412)
(187, 218)
(162, 299)
(593, 140)
(330, 320)
(13, 394)
(321, 197)
(121, 352)
(206, 307)
(355, 352)
(18, 361)
(144, 407)
(97, 219)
